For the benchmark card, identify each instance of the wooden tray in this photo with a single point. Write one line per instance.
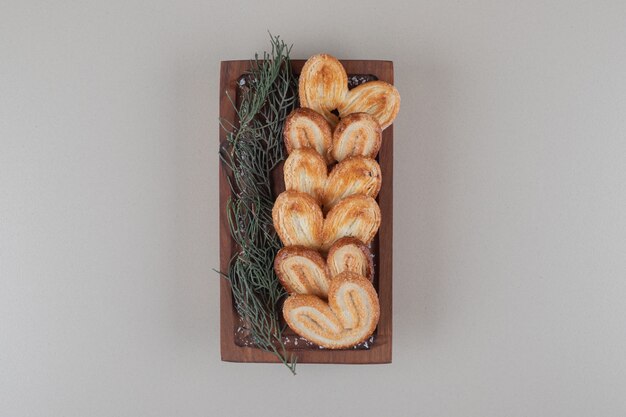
(379, 351)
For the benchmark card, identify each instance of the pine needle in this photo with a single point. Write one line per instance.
(254, 149)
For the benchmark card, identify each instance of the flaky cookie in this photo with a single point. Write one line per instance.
(305, 128)
(298, 219)
(350, 254)
(355, 175)
(323, 85)
(357, 134)
(355, 216)
(302, 271)
(349, 317)
(377, 98)
(305, 171)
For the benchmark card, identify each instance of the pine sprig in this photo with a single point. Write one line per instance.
(254, 149)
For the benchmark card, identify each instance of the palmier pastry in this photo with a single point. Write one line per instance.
(302, 271)
(378, 98)
(350, 254)
(349, 317)
(355, 175)
(357, 134)
(298, 219)
(323, 85)
(305, 171)
(305, 128)
(355, 216)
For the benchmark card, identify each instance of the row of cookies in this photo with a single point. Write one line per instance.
(332, 301)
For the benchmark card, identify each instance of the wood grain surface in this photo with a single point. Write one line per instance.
(381, 349)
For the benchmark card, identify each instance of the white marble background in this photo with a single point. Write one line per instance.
(510, 218)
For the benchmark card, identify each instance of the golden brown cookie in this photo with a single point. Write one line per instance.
(350, 254)
(377, 98)
(305, 128)
(323, 85)
(357, 134)
(349, 317)
(355, 216)
(302, 271)
(355, 175)
(298, 219)
(305, 171)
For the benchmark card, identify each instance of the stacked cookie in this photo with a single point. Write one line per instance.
(326, 221)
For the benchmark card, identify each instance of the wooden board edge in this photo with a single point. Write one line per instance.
(381, 351)
(227, 336)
